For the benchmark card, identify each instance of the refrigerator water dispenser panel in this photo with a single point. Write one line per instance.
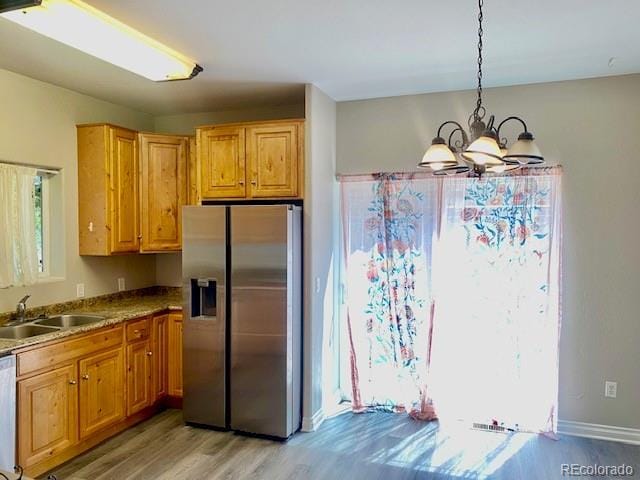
(203, 297)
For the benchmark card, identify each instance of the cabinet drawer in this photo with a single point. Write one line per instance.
(138, 329)
(66, 350)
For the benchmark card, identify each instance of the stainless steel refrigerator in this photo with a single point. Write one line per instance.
(242, 274)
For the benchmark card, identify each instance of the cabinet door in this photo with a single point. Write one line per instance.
(123, 206)
(221, 155)
(138, 376)
(160, 349)
(101, 391)
(175, 355)
(272, 154)
(193, 174)
(163, 191)
(47, 415)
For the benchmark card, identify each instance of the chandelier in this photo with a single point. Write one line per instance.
(482, 149)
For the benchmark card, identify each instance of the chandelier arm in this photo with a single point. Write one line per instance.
(448, 122)
(458, 144)
(513, 117)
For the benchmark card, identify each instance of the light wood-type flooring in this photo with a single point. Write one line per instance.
(366, 446)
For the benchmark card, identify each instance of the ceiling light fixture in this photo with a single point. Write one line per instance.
(86, 28)
(482, 149)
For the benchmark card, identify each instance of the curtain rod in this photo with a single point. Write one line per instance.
(39, 168)
(426, 174)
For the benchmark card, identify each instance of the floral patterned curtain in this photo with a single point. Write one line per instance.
(388, 226)
(453, 284)
(497, 311)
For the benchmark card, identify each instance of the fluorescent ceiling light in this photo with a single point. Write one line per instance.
(81, 26)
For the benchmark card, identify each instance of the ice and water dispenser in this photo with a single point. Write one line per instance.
(203, 297)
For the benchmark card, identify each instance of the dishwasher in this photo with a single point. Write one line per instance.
(7, 413)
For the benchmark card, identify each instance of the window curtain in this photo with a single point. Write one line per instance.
(388, 234)
(453, 295)
(497, 310)
(18, 251)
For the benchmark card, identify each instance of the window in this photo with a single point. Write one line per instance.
(25, 226)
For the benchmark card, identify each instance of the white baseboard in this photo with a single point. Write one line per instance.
(311, 424)
(600, 432)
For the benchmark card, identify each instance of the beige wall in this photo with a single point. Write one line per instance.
(186, 124)
(37, 126)
(592, 128)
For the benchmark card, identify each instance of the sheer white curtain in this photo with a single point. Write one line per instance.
(453, 295)
(497, 312)
(388, 227)
(18, 251)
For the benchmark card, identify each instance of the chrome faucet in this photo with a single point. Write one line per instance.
(21, 309)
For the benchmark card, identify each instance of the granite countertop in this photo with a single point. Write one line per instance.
(116, 308)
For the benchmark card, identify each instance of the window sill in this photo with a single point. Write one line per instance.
(49, 280)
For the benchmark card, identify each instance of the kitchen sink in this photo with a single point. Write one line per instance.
(18, 332)
(70, 320)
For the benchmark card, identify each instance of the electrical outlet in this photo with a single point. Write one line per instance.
(80, 290)
(317, 284)
(121, 284)
(610, 389)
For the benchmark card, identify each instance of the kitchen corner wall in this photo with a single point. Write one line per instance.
(320, 215)
(590, 127)
(38, 126)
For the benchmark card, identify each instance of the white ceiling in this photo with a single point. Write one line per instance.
(261, 52)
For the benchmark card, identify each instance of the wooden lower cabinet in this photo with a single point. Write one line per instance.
(48, 418)
(160, 350)
(75, 393)
(175, 355)
(101, 391)
(138, 376)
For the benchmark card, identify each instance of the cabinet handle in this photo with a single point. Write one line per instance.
(240, 182)
(72, 382)
(149, 354)
(254, 182)
(85, 376)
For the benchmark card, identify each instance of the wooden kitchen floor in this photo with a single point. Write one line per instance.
(366, 446)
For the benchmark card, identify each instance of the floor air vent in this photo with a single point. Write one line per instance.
(487, 427)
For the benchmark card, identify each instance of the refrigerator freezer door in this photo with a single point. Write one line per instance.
(263, 370)
(203, 270)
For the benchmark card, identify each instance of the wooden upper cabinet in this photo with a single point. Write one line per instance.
(273, 158)
(47, 415)
(222, 162)
(101, 391)
(107, 190)
(131, 189)
(163, 191)
(192, 181)
(124, 191)
(251, 160)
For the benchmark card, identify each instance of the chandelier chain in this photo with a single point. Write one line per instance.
(476, 112)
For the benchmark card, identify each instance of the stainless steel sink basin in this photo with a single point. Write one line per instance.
(18, 332)
(70, 321)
